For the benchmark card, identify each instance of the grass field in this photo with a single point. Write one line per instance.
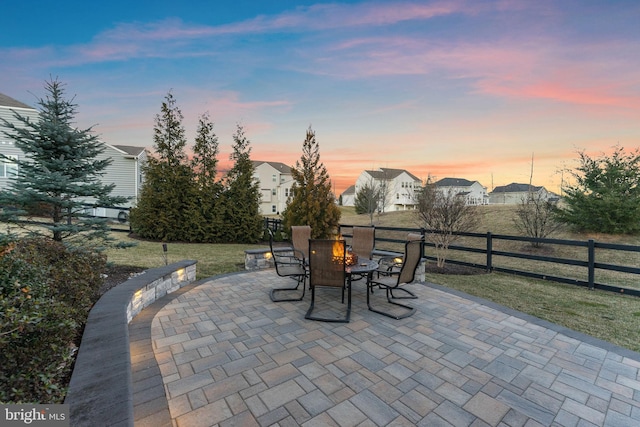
(608, 316)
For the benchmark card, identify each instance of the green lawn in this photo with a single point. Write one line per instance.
(610, 317)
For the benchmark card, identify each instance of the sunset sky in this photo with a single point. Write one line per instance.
(467, 89)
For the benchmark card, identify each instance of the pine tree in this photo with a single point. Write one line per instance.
(606, 194)
(367, 199)
(312, 203)
(243, 222)
(209, 226)
(165, 208)
(60, 173)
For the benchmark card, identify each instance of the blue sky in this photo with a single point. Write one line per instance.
(452, 88)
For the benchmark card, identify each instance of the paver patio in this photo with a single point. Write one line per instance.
(221, 353)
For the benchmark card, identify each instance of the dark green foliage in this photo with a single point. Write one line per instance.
(368, 199)
(183, 200)
(46, 292)
(241, 197)
(168, 133)
(166, 207)
(605, 197)
(209, 221)
(312, 203)
(59, 173)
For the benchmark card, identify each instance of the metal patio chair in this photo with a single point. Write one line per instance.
(363, 241)
(292, 266)
(327, 269)
(300, 235)
(390, 279)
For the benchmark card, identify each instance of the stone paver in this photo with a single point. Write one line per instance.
(226, 355)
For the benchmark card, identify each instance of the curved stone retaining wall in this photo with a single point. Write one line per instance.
(100, 391)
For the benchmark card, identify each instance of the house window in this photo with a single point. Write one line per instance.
(8, 167)
(273, 208)
(273, 191)
(398, 196)
(275, 178)
(286, 192)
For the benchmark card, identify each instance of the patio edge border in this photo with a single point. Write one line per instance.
(100, 390)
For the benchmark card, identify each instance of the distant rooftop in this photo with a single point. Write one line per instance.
(454, 182)
(7, 101)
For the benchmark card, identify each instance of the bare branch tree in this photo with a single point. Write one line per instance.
(442, 214)
(535, 217)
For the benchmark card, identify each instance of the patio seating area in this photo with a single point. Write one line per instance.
(221, 353)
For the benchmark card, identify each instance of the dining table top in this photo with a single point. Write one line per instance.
(362, 266)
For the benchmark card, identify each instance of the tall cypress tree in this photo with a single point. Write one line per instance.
(209, 226)
(313, 202)
(243, 222)
(164, 209)
(60, 172)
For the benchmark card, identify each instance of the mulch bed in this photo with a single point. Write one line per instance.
(116, 274)
(453, 269)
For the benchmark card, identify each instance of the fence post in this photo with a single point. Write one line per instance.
(592, 262)
(489, 250)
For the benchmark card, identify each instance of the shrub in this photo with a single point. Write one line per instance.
(46, 292)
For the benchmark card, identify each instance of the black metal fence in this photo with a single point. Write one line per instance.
(565, 261)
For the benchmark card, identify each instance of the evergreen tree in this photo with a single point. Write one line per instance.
(61, 171)
(367, 199)
(243, 222)
(209, 226)
(606, 194)
(167, 199)
(312, 203)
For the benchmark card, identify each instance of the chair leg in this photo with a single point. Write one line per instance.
(301, 280)
(410, 296)
(410, 309)
(309, 315)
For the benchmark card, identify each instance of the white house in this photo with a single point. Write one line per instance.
(473, 192)
(348, 196)
(275, 185)
(515, 193)
(398, 187)
(125, 170)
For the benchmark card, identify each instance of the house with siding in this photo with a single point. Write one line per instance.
(473, 192)
(348, 196)
(398, 186)
(515, 193)
(125, 170)
(275, 185)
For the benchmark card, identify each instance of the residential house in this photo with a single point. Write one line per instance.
(348, 196)
(473, 192)
(275, 185)
(8, 106)
(515, 193)
(397, 186)
(125, 170)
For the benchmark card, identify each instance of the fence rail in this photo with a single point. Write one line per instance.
(583, 259)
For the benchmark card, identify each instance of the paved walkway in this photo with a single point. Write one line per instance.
(221, 353)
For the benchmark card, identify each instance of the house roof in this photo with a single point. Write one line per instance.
(516, 188)
(454, 182)
(386, 173)
(7, 101)
(276, 165)
(350, 190)
(130, 149)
